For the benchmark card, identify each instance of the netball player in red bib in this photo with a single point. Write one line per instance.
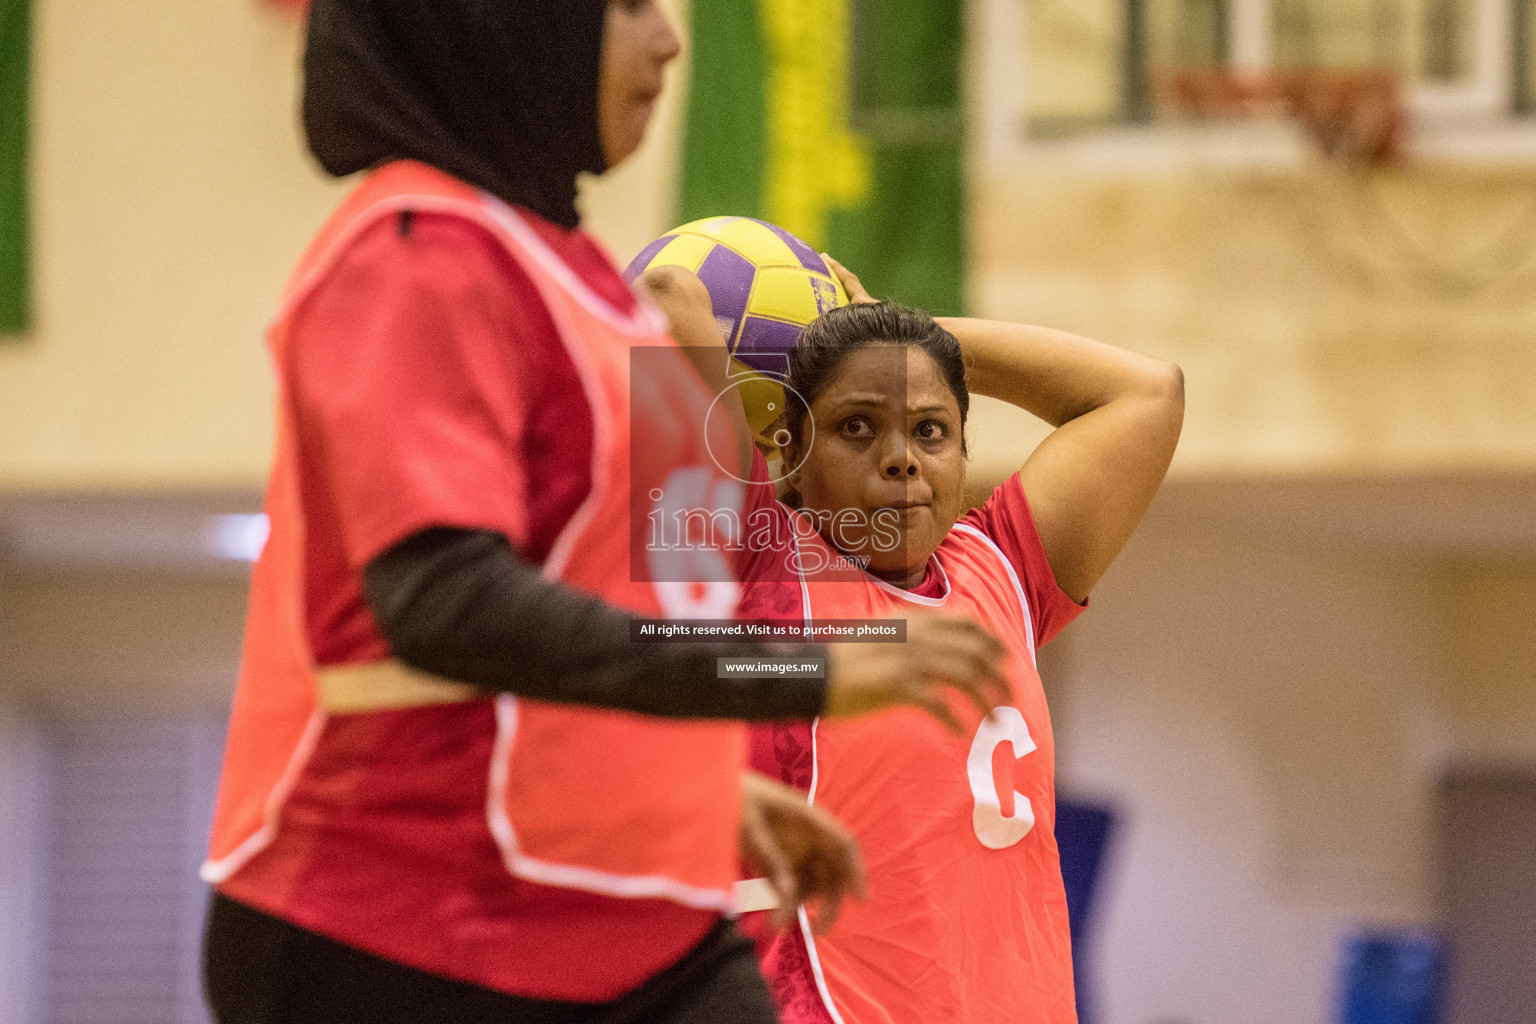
(966, 920)
(454, 790)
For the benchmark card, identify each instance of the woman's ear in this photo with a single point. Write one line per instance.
(788, 485)
(790, 456)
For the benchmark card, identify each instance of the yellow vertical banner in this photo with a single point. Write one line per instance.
(815, 161)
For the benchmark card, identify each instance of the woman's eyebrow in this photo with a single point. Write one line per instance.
(872, 399)
(875, 400)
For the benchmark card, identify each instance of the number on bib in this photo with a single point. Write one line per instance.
(694, 515)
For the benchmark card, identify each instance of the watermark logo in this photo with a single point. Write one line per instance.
(681, 524)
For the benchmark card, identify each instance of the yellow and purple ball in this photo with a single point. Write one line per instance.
(765, 285)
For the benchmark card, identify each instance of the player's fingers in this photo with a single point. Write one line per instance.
(840, 862)
(851, 284)
(771, 858)
(858, 883)
(787, 886)
(958, 629)
(832, 870)
(830, 885)
(958, 658)
(976, 674)
(826, 913)
(926, 698)
(667, 283)
(850, 863)
(992, 682)
(980, 694)
(851, 879)
(971, 658)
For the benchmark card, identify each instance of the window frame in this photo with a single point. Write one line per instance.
(1478, 121)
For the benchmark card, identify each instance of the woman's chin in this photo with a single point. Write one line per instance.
(892, 553)
(902, 563)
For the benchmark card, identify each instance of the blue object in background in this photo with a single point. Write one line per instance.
(1394, 977)
(1083, 832)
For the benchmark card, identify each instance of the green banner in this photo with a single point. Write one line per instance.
(14, 46)
(840, 121)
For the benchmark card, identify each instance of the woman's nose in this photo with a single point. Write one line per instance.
(901, 465)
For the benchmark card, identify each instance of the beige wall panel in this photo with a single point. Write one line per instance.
(1252, 710)
(1270, 706)
(170, 199)
(1324, 322)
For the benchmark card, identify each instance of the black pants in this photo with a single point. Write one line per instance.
(259, 969)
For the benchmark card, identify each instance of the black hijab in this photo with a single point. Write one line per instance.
(499, 93)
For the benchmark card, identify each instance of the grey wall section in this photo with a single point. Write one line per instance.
(128, 812)
(1269, 685)
(1487, 881)
(23, 791)
(114, 693)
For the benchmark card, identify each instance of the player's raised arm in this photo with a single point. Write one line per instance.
(1117, 417)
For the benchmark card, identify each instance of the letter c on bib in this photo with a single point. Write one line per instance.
(1004, 725)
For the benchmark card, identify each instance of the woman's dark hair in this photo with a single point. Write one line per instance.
(823, 346)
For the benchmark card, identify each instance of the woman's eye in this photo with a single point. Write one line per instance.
(930, 430)
(857, 426)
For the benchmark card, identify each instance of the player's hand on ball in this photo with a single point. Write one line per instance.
(806, 854)
(685, 301)
(942, 652)
(851, 284)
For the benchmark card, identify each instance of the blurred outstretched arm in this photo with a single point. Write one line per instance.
(1117, 417)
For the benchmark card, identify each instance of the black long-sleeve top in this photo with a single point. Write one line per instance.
(462, 605)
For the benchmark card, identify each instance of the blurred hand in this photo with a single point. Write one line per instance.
(806, 854)
(685, 301)
(851, 284)
(941, 652)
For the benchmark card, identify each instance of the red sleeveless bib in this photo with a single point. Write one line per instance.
(966, 921)
(606, 802)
